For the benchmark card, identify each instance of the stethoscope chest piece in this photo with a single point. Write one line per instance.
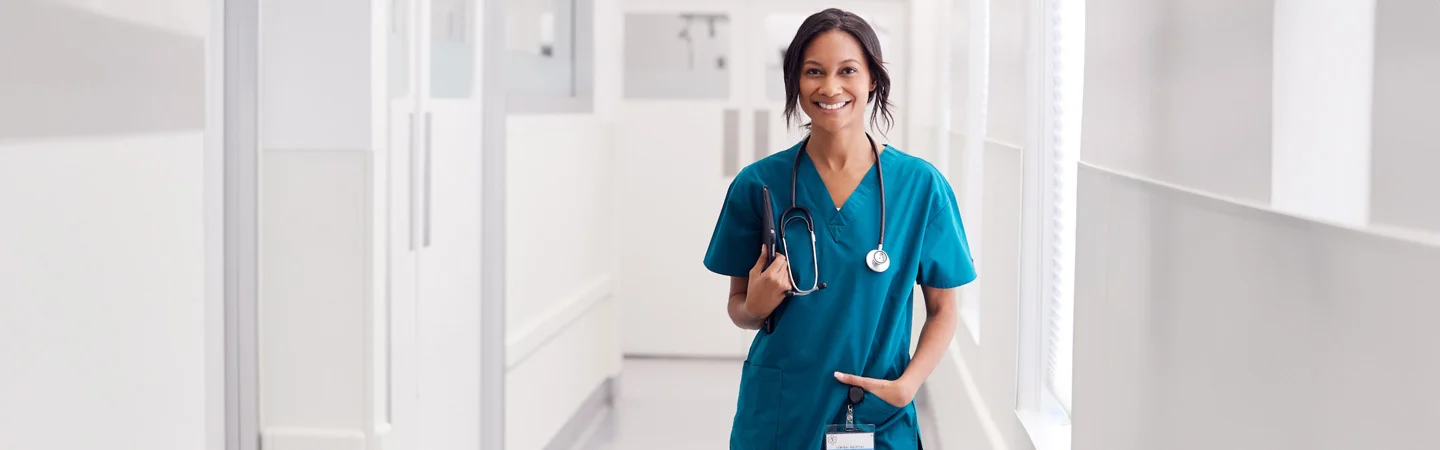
(877, 260)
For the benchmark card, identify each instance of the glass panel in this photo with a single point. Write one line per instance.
(780, 30)
(540, 47)
(672, 56)
(399, 47)
(452, 51)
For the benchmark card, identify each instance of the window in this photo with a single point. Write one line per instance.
(965, 136)
(677, 56)
(1048, 294)
(1065, 155)
(548, 55)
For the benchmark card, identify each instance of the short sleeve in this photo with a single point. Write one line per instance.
(735, 243)
(945, 260)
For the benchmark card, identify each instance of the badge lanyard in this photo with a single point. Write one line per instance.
(851, 436)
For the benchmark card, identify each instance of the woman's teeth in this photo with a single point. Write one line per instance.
(832, 107)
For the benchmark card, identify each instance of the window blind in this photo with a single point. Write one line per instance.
(1067, 35)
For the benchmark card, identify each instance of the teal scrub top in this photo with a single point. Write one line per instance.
(861, 322)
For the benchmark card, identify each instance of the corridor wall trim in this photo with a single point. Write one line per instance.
(312, 439)
(952, 376)
(1395, 233)
(531, 337)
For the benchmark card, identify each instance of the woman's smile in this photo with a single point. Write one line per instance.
(833, 107)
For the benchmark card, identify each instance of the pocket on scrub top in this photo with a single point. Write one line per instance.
(876, 411)
(757, 416)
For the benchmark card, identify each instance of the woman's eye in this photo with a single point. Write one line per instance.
(812, 71)
(848, 70)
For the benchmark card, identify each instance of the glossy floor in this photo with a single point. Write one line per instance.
(656, 407)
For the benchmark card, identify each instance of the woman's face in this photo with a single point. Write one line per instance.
(834, 82)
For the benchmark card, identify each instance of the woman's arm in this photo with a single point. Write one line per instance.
(753, 298)
(742, 319)
(935, 336)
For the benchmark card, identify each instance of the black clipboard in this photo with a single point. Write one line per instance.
(769, 237)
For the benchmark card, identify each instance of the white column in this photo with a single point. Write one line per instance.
(1324, 52)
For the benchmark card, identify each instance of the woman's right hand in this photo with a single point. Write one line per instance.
(767, 286)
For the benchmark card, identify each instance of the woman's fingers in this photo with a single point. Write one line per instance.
(781, 259)
(869, 384)
(781, 272)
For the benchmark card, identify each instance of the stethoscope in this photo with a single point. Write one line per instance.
(877, 260)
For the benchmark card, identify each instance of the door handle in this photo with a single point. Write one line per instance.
(731, 148)
(414, 181)
(428, 181)
(762, 134)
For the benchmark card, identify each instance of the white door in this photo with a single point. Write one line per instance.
(703, 97)
(434, 218)
(398, 381)
(448, 270)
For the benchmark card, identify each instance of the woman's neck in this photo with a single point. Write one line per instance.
(840, 151)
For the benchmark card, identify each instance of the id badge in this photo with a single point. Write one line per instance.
(850, 437)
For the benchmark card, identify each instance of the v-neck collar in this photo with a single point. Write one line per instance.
(858, 202)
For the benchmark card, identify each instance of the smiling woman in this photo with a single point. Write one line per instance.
(834, 358)
(863, 63)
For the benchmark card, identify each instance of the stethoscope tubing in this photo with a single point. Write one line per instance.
(871, 259)
(877, 259)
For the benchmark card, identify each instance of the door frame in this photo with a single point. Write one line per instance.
(232, 224)
(492, 225)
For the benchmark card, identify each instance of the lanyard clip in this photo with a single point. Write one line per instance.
(856, 395)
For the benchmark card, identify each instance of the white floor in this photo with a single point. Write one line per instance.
(674, 404)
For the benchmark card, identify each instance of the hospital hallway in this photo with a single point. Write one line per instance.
(525, 224)
(674, 403)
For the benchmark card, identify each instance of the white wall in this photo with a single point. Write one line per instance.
(1202, 323)
(1006, 111)
(1405, 150)
(562, 336)
(181, 17)
(916, 116)
(106, 327)
(1189, 83)
(1206, 318)
(1324, 53)
(973, 390)
(562, 323)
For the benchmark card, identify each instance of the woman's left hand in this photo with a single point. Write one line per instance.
(897, 393)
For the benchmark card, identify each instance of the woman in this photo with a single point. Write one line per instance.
(854, 328)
